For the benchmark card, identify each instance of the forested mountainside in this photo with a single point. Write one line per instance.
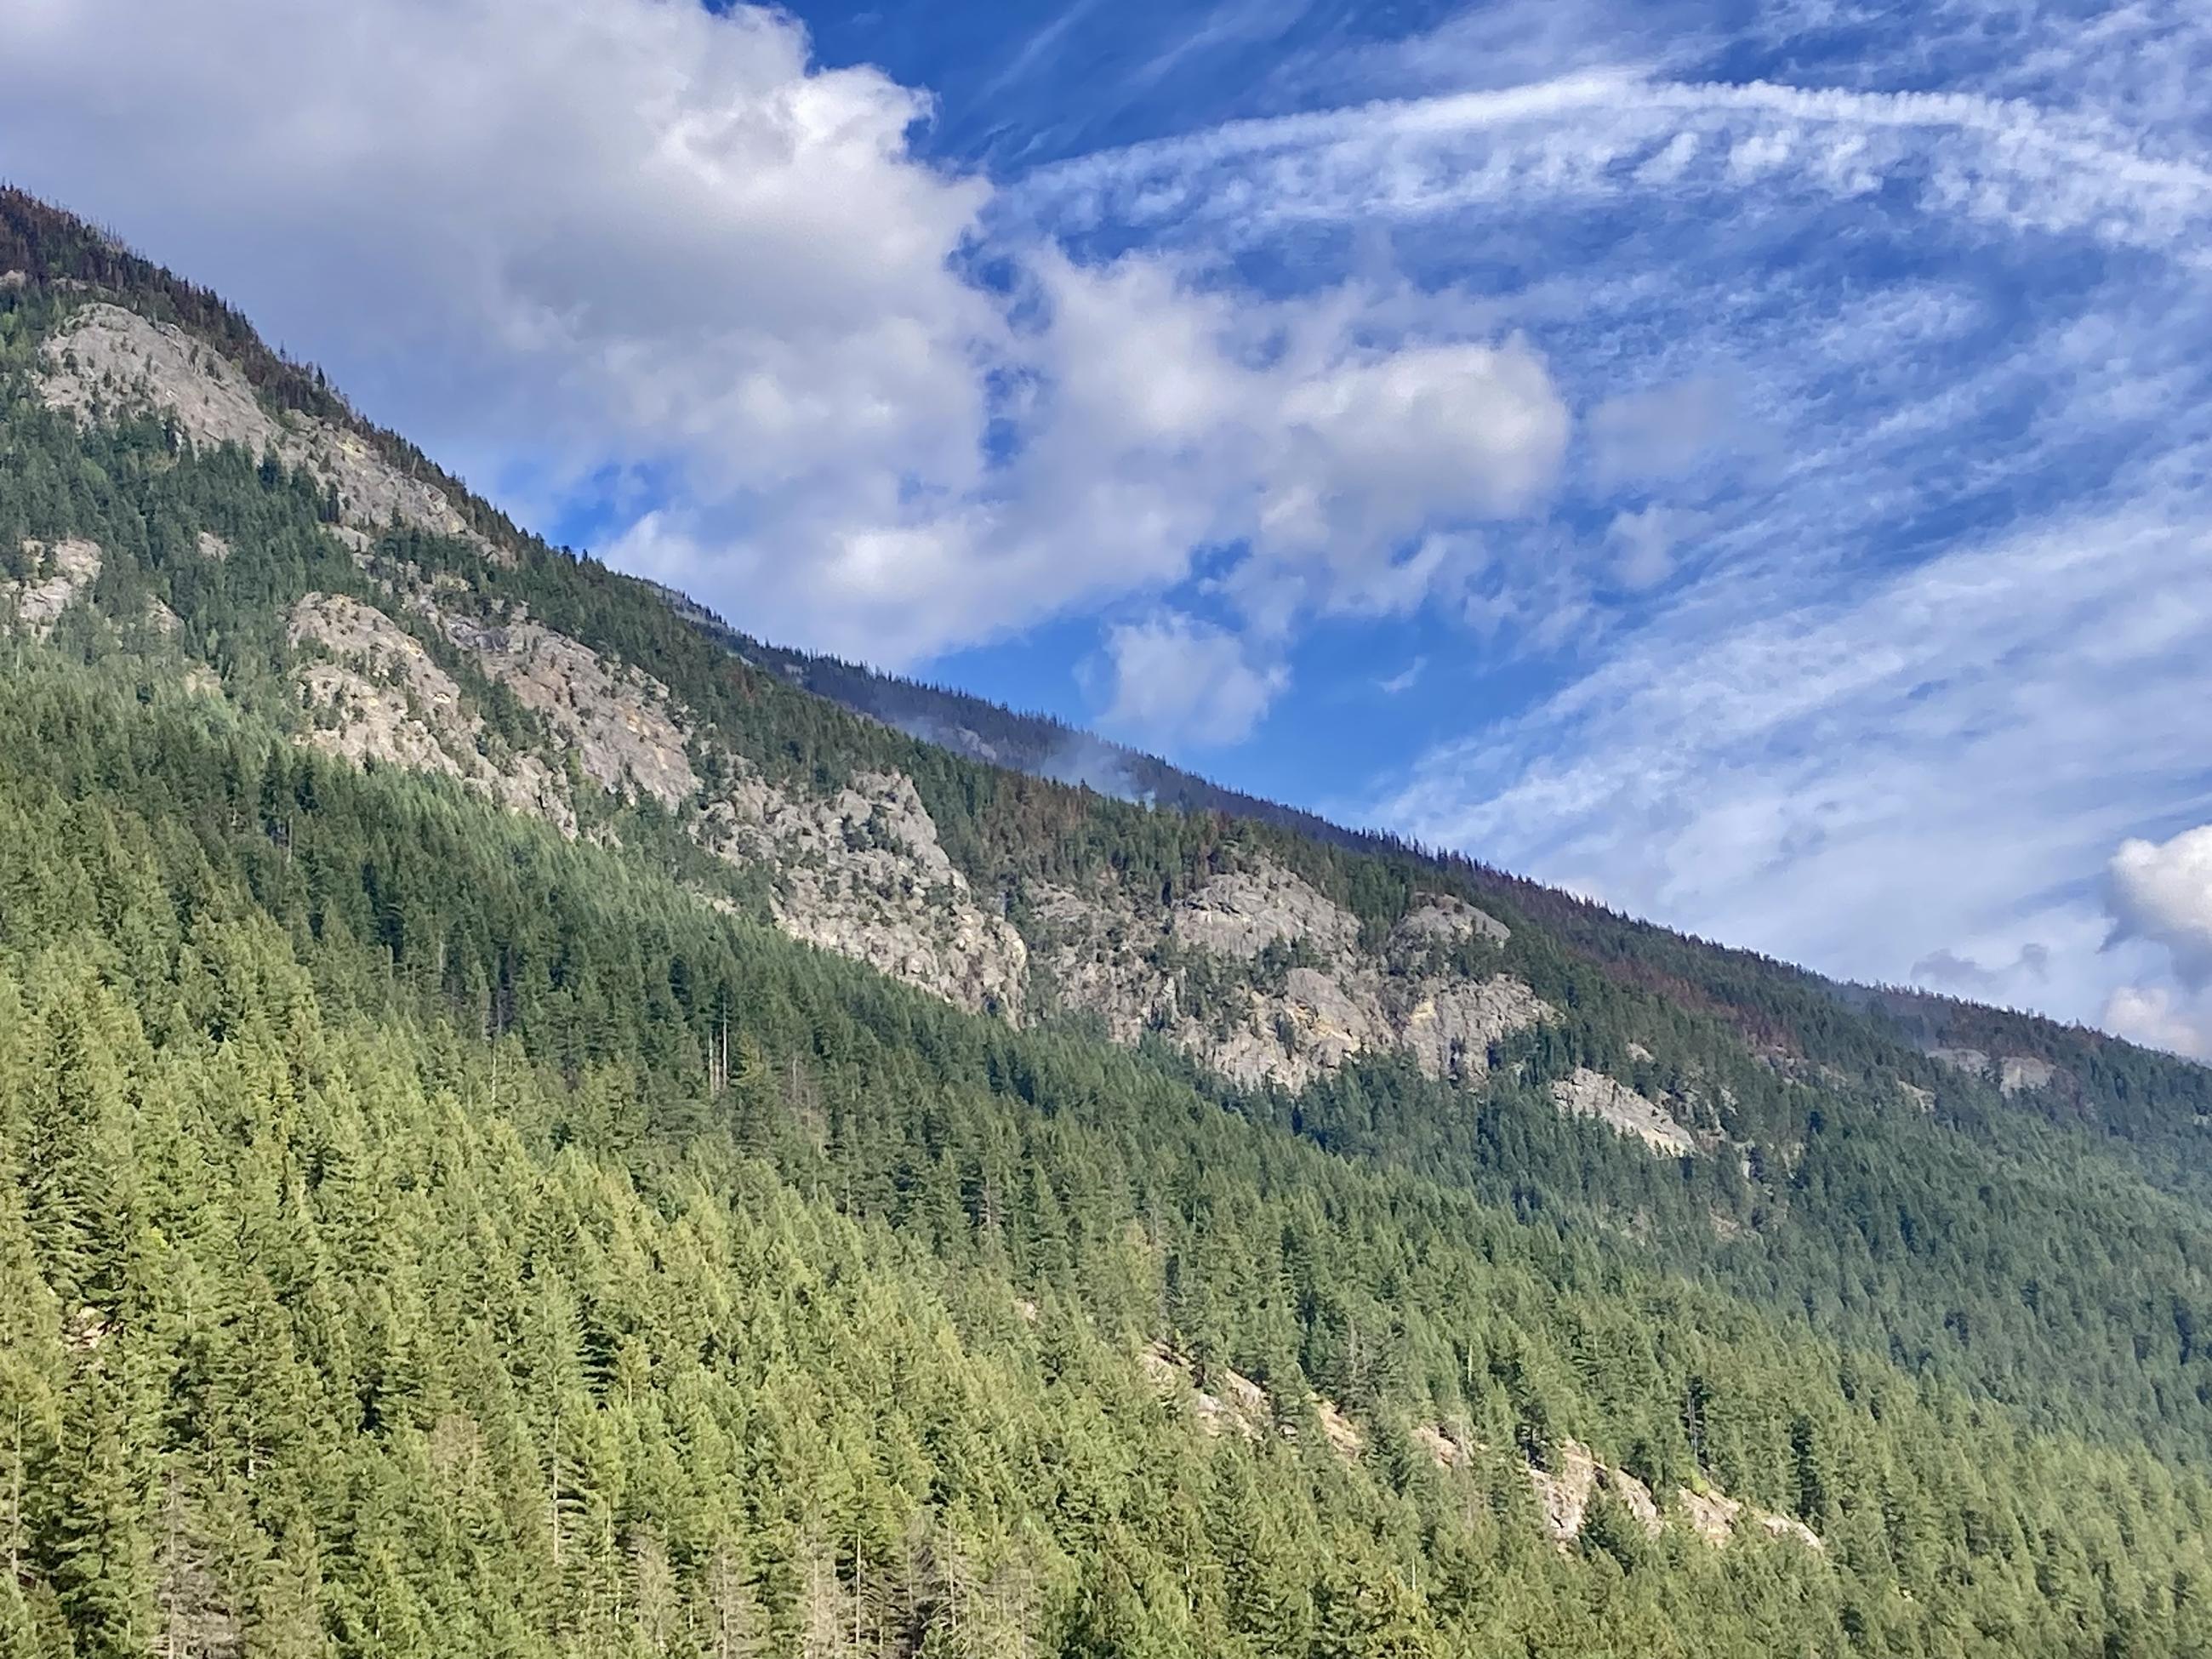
(524, 1130)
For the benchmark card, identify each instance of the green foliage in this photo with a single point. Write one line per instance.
(422, 1234)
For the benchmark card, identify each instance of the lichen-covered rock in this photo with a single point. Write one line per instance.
(59, 572)
(382, 697)
(1787, 1526)
(1131, 969)
(1442, 1449)
(1452, 1023)
(1236, 1405)
(1713, 1515)
(1562, 1491)
(1958, 1058)
(623, 725)
(861, 873)
(1637, 1498)
(1440, 918)
(1240, 913)
(1593, 1094)
(106, 361)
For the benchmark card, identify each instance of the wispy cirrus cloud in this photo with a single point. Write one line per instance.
(1783, 435)
(1874, 620)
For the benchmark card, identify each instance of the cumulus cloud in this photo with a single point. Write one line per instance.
(566, 243)
(1178, 680)
(2154, 1016)
(1338, 436)
(2161, 892)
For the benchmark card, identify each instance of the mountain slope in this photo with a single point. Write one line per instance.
(524, 1130)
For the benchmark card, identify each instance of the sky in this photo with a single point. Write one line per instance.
(1750, 464)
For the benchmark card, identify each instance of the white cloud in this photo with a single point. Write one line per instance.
(564, 241)
(1657, 434)
(1927, 369)
(2162, 891)
(1933, 767)
(1644, 544)
(1404, 680)
(2154, 1016)
(2002, 162)
(1178, 680)
(2016, 980)
(1336, 435)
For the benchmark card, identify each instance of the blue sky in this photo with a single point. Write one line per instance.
(1750, 464)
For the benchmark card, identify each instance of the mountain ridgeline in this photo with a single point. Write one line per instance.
(533, 1124)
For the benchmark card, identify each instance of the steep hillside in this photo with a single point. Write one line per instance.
(522, 1128)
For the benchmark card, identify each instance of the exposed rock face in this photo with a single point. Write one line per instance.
(1107, 959)
(627, 732)
(1637, 1498)
(1441, 919)
(1443, 1450)
(59, 572)
(1240, 913)
(1960, 1058)
(1451, 1024)
(1342, 1434)
(1593, 1094)
(1713, 1515)
(1563, 1492)
(383, 698)
(1787, 1526)
(2012, 1073)
(1240, 1407)
(108, 361)
(863, 874)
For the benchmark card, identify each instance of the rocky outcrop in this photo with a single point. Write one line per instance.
(2012, 1073)
(861, 873)
(1236, 1405)
(624, 728)
(1715, 1517)
(1440, 919)
(1240, 913)
(106, 361)
(1443, 1448)
(1162, 972)
(57, 574)
(374, 693)
(1573, 1476)
(1712, 1516)
(1564, 1490)
(1593, 1094)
